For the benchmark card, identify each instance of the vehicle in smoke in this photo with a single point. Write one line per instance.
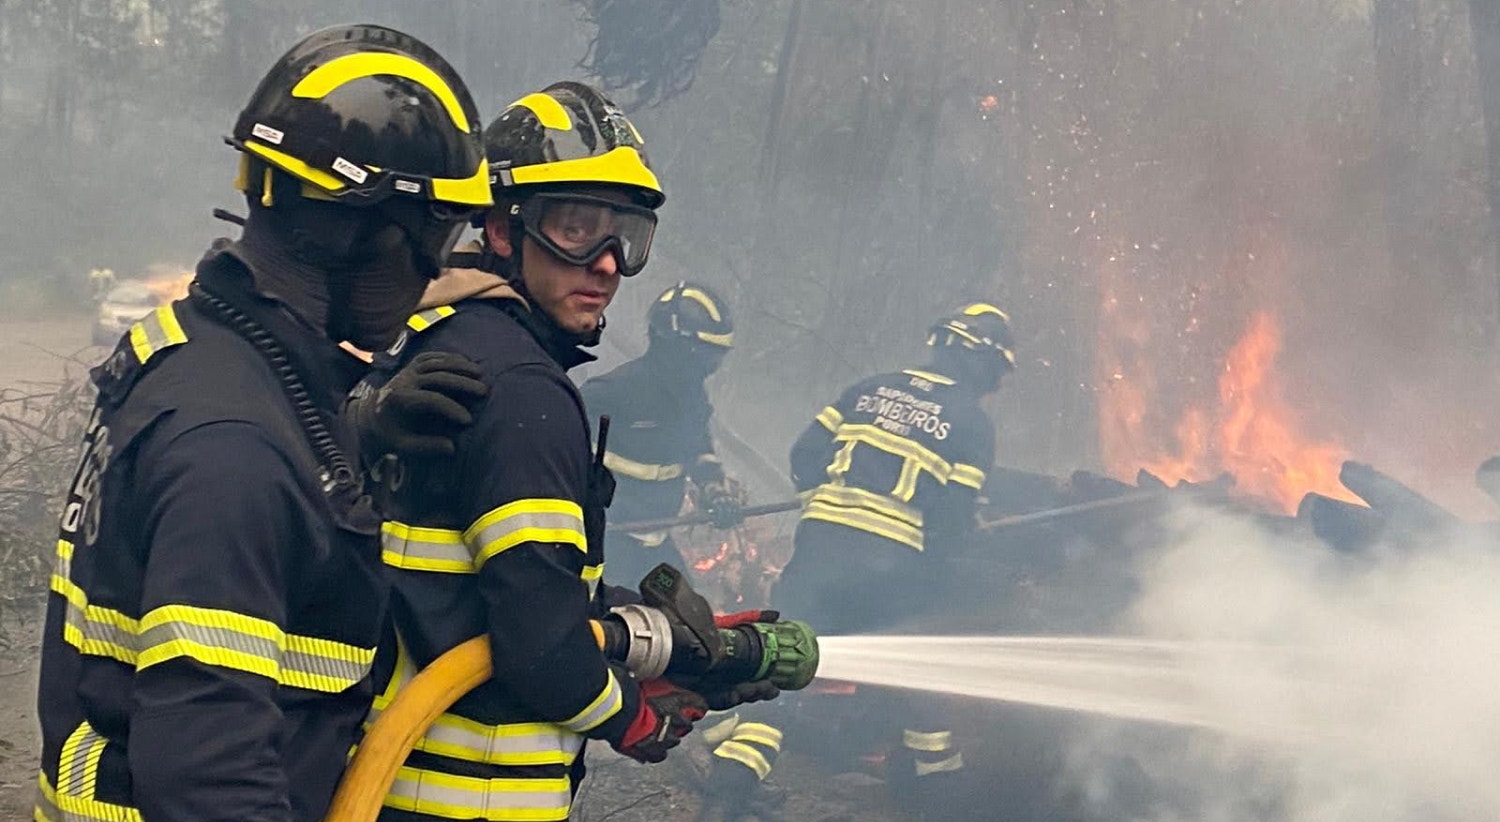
(129, 300)
(122, 306)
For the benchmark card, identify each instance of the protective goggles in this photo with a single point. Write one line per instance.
(578, 229)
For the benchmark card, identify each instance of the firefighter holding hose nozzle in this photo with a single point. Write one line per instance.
(890, 473)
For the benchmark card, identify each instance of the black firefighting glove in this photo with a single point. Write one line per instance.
(419, 411)
(721, 501)
(666, 715)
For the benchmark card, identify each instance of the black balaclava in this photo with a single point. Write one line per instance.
(690, 360)
(976, 370)
(346, 271)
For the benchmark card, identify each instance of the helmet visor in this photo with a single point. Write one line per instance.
(579, 229)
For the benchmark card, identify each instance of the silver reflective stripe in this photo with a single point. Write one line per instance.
(528, 520)
(414, 548)
(520, 744)
(606, 705)
(459, 797)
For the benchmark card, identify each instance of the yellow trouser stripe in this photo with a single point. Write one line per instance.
(156, 331)
(931, 742)
(647, 471)
(952, 763)
(746, 755)
(525, 520)
(465, 797)
(758, 733)
(210, 636)
(427, 318)
(416, 548)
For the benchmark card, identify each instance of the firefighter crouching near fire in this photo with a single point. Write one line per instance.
(218, 596)
(659, 426)
(890, 473)
(504, 538)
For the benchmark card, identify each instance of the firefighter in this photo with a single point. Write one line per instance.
(217, 596)
(890, 473)
(659, 425)
(503, 539)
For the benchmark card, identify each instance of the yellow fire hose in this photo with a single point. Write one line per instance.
(396, 731)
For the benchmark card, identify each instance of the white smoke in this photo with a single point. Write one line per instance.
(1345, 689)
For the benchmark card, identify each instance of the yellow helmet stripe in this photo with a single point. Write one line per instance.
(977, 309)
(621, 166)
(548, 111)
(340, 70)
(474, 191)
(292, 165)
(704, 300)
(725, 340)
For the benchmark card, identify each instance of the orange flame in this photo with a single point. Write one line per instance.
(1252, 434)
(707, 563)
(169, 289)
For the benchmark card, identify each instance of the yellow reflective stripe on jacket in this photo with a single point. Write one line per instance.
(967, 475)
(458, 737)
(428, 317)
(54, 806)
(900, 446)
(433, 793)
(650, 472)
(72, 800)
(513, 744)
(525, 520)
(930, 376)
(746, 755)
(604, 706)
(850, 497)
(213, 637)
(156, 331)
(864, 519)
(830, 418)
(415, 548)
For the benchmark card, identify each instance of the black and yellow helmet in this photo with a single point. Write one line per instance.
(693, 313)
(568, 134)
(979, 327)
(362, 113)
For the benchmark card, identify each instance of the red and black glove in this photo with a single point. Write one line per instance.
(720, 695)
(666, 715)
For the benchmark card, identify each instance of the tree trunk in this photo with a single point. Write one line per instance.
(785, 62)
(1398, 70)
(1484, 20)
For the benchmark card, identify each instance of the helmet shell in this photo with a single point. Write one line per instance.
(568, 134)
(978, 327)
(365, 112)
(692, 312)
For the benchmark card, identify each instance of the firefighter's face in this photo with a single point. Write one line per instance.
(574, 296)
